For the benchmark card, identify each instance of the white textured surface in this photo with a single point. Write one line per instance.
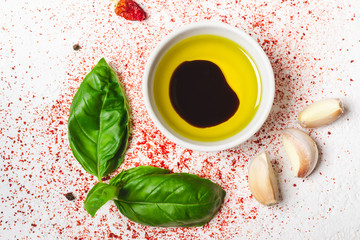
(314, 47)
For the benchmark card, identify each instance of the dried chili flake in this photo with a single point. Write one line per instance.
(129, 10)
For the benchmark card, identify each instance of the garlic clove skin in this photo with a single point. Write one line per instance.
(321, 113)
(301, 150)
(262, 180)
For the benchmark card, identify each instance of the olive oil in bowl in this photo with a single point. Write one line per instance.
(207, 88)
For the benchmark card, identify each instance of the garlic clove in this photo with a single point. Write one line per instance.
(301, 150)
(262, 180)
(321, 113)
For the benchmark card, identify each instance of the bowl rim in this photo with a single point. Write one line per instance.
(166, 43)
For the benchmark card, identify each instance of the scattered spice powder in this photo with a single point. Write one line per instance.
(43, 133)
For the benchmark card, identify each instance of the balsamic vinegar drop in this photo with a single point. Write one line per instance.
(200, 94)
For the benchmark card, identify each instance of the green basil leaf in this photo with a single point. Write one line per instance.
(98, 196)
(133, 173)
(170, 200)
(99, 122)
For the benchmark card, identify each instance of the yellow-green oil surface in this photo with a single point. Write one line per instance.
(240, 73)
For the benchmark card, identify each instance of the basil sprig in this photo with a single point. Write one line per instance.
(155, 197)
(99, 126)
(99, 122)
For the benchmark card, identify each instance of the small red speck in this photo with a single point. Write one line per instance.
(112, 235)
(329, 133)
(294, 185)
(351, 61)
(329, 209)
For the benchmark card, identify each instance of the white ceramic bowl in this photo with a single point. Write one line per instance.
(249, 45)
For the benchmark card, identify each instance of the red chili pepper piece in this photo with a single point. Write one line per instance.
(129, 10)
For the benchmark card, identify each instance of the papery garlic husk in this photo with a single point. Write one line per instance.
(321, 113)
(301, 150)
(262, 180)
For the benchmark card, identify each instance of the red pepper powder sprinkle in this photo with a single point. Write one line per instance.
(38, 168)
